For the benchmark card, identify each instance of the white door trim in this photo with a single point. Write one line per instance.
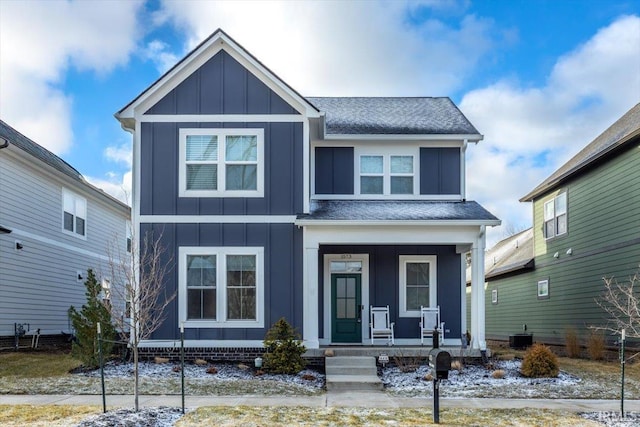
(364, 283)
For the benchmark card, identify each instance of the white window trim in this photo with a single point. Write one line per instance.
(433, 285)
(386, 153)
(128, 241)
(221, 134)
(555, 216)
(541, 283)
(494, 296)
(221, 290)
(73, 233)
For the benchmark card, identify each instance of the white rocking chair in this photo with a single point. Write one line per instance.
(381, 325)
(430, 322)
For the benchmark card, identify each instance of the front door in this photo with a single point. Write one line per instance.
(346, 309)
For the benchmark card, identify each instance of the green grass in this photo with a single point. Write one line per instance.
(248, 416)
(36, 364)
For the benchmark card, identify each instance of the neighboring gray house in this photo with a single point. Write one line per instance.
(54, 225)
(277, 205)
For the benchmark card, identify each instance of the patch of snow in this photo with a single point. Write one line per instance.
(147, 417)
(613, 419)
(476, 381)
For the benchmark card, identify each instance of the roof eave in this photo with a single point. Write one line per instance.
(544, 188)
(406, 137)
(335, 222)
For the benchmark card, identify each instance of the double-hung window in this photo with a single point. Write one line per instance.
(386, 174)
(74, 213)
(417, 284)
(555, 216)
(221, 162)
(221, 286)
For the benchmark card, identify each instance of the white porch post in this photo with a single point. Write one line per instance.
(310, 298)
(477, 292)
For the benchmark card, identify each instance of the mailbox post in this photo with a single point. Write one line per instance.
(440, 362)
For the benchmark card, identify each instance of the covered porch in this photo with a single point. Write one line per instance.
(374, 242)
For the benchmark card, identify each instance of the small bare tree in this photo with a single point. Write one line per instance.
(139, 292)
(621, 301)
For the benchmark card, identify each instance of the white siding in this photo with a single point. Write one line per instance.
(39, 283)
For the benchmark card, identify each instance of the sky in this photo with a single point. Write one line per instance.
(539, 79)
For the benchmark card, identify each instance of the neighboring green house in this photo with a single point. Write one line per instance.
(586, 226)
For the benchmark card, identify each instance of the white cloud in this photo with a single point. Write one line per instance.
(119, 186)
(157, 51)
(530, 132)
(120, 154)
(343, 48)
(39, 41)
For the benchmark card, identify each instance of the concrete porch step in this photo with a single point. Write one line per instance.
(352, 373)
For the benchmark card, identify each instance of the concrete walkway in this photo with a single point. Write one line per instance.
(370, 399)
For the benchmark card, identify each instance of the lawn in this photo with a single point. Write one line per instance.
(247, 416)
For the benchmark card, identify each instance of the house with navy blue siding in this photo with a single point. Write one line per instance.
(272, 204)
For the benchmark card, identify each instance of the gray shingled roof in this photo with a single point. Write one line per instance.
(515, 253)
(47, 157)
(396, 210)
(19, 140)
(617, 135)
(387, 116)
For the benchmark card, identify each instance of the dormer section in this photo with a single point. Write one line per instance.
(390, 148)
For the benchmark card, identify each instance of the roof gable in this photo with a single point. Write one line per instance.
(393, 116)
(624, 130)
(198, 57)
(221, 86)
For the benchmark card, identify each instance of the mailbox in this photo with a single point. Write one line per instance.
(440, 362)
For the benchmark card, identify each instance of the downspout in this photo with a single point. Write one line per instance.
(463, 167)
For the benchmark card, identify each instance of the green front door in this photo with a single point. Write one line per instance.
(346, 321)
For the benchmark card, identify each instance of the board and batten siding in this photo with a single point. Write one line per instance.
(440, 170)
(604, 237)
(384, 286)
(221, 86)
(334, 170)
(282, 245)
(283, 169)
(39, 283)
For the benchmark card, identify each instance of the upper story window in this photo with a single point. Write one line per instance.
(555, 216)
(74, 213)
(387, 174)
(221, 162)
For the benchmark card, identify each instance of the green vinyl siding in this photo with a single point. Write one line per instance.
(603, 224)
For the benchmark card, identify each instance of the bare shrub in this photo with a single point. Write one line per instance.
(407, 363)
(596, 345)
(572, 343)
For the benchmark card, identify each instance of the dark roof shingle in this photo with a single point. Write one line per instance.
(619, 133)
(396, 210)
(392, 116)
(19, 140)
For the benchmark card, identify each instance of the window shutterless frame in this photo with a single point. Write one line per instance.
(221, 162)
(417, 282)
(239, 277)
(74, 214)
